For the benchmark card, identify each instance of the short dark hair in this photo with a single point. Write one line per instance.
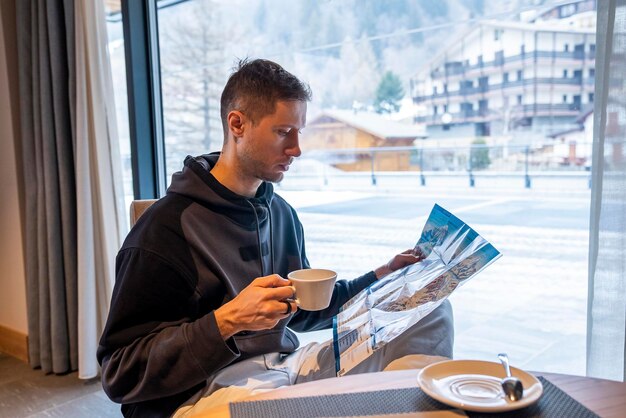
(255, 87)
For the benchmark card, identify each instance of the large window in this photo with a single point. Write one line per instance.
(480, 106)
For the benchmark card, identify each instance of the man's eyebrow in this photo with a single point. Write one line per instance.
(287, 125)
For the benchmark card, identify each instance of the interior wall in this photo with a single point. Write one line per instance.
(12, 276)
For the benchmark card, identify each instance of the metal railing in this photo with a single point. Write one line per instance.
(460, 68)
(413, 166)
(477, 115)
(465, 91)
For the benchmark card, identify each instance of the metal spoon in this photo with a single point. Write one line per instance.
(511, 386)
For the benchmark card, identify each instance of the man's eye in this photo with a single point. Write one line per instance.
(283, 133)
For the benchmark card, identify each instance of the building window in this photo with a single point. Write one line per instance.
(445, 108)
(565, 98)
(567, 10)
(505, 77)
(590, 97)
(566, 48)
(592, 72)
(564, 73)
(434, 110)
(519, 99)
(520, 74)
(499, 57)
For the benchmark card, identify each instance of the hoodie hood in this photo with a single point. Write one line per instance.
(197, 183)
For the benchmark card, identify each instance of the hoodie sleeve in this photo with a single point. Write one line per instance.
(150, 348)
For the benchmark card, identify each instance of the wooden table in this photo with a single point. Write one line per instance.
(606, 398)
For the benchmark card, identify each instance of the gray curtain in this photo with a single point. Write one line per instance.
(47, 92)
(606, 330)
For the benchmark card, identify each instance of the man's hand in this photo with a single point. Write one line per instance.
(403, 259)
(258, 306)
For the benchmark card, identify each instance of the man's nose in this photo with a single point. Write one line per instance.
(294, 150)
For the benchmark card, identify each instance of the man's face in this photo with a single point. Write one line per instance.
(268, 147)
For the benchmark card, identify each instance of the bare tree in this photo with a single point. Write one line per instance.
(194, 45)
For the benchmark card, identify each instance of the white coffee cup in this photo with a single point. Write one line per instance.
(314, 288)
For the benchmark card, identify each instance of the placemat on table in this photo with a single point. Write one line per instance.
(392, 401)
(553, 403)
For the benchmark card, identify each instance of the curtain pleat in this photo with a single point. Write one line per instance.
(606, 330)
(49, 181)
(23, 15)
(66, 181)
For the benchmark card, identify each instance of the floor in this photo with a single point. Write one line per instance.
(25, 392)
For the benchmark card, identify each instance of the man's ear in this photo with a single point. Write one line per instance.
(236, 123)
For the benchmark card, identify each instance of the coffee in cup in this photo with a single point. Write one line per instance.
(314, 288)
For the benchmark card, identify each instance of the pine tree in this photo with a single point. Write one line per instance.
(389, 94)
(479, 155)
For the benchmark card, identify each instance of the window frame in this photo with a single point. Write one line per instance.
(145, 109)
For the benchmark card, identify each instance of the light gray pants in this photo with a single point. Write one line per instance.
(432, 336)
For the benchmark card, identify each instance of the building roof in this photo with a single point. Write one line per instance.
(548, 26)
(372, 123)
(541, 26)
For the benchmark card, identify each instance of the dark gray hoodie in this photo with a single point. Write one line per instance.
(191, 252)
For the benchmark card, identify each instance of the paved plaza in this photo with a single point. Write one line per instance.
(531, 303)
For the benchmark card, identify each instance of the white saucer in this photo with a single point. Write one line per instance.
(475, 385)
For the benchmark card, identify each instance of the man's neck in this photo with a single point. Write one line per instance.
(230, 177)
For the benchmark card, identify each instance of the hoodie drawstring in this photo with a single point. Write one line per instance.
(269, 218)
(258, 237)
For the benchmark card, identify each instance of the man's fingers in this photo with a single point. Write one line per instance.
(273, 280)
(415, 251)
(280, 293)
(272, 293)
(418, 252)
(407, 259)
(286, 307)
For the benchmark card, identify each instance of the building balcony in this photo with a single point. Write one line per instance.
(562, 82)
(558, 57)
(514, 112)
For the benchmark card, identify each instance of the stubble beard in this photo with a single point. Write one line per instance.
(256, 168)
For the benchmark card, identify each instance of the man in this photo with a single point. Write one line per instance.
(201, 303)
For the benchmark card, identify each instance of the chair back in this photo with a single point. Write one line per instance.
(137, 208)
